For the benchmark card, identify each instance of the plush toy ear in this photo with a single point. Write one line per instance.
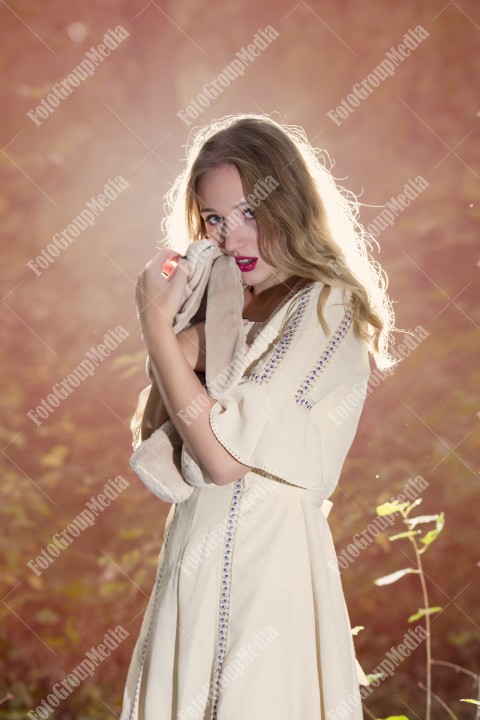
(200, 255)
(224, 332)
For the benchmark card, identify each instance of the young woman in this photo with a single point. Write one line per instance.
(247, 619)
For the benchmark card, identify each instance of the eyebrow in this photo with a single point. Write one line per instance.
(243, 202)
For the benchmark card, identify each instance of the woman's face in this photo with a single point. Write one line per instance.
(230, 222)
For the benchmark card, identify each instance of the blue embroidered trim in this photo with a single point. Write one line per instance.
(319, 367)
(145, 643)
(264, 374)
(225, 593)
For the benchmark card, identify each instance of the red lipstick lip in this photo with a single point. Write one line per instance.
(246, 266)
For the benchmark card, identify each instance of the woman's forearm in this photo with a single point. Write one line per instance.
(181, 389)
(192, 343)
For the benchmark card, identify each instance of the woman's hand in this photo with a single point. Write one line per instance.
(158, 299)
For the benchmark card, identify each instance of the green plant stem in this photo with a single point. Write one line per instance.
(428, 643)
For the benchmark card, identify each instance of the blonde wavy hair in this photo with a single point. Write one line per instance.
(307, 227)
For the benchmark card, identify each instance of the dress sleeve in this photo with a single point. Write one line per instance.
(294, 413)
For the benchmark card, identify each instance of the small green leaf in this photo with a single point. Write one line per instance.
(393, 577)
(433, 534)
(424, 611)
(475, 702)
(407, 534)
(394, 717)
(389, 508)
(430, 537)
(357, 629)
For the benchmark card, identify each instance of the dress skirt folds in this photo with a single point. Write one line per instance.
(247, 619)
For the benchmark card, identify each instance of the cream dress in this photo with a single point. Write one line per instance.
(247, 618)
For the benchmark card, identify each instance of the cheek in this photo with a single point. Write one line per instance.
(253, 238)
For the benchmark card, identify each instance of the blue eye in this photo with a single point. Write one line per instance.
(209, 220)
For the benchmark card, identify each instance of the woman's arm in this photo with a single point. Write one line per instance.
(158, 301)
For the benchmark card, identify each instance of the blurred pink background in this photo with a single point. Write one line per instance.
(423, 420)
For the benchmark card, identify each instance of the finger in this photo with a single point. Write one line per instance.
(157, 261)
(166, 254)
(169, 267)
(178, 261)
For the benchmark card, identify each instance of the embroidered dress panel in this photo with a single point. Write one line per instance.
(225, 593)
(265, 373)
(312, 377)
